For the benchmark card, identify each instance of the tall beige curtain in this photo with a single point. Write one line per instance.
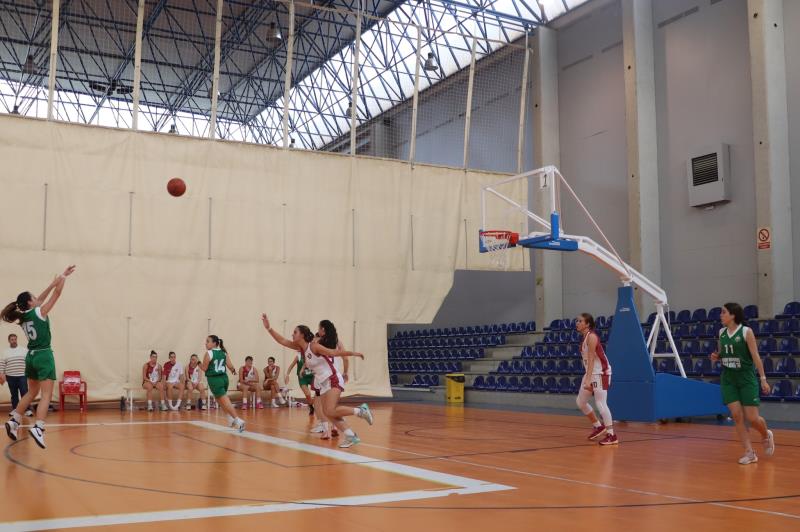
(301, 235)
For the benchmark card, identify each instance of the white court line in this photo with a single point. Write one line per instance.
(463, 486)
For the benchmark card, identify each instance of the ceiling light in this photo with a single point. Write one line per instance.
(431, 65)
(30, 66)
(274, 36)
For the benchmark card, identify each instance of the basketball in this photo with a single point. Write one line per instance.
(176, 187)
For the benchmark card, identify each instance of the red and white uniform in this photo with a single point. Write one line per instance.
(272, 372)
(326, 376)
(173, 371)
(250, 375)
(194, 374)
(601, 370)
(154, 373)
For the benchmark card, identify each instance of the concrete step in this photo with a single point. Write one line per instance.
(524, 339)
(505, 352)
(480, 366)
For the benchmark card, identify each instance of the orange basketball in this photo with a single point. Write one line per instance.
(176, 187)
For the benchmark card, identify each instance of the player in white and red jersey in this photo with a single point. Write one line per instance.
(271, 385)
(174, 379)
(248, 382)
(151, 380)
(596, 381)
(319, 358)
(194, 382)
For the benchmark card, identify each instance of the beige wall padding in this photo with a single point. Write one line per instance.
(260, 229)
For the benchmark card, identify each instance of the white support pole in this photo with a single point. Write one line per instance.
(771, 149)
(523, 99)
(468, 118)
(51, 79)
(137, 64)
(547, 267)
(642, 139)
(212, 124)
(288, 79)
(412, 146)
(354, 90)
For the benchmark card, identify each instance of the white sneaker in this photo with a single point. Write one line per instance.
(203, 407)
(11, 428)
(748, 458)
(149, 408)
(273, 404)
(769, 444)
(318, 429)
(37, 433)
(188, 406)
(365, 413)
(239, 426)
(29, 413)
(349, 441)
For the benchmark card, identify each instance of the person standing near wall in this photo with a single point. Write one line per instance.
(738, 351)
(12, 371)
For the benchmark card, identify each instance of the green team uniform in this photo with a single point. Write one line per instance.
(738, 381)
(217, 373)
(304, 376)
(40, 365)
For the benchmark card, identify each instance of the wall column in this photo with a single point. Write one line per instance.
(546, 264)
(771, 148)
(644, 231)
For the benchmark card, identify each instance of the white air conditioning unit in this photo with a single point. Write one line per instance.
(708, 174)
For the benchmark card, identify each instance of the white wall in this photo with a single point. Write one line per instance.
(591, 96)
(703, 97)
(791, 17)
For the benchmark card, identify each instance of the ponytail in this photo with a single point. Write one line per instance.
(218, 342)
(13, 312)
(331, 338)
(306, 332)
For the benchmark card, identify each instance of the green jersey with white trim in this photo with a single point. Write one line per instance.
(37, 329)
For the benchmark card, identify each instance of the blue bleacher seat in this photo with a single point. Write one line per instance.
(551, 385)
(573, 350)
(560, 350)
(564, 385)
(791, 310)
(601, 322)
(576, 384)
(513, 384)
(530, 326)
(527, 367)
(478, 382)
(714, 314)
(517, 367)
(393, 380)
(576, 367)
(490, 383)
(502, 383)
(538, 366)
(550, 366)
(666, 365)
(537, 384)
(699, 315)
(525, 384)
(554, 325)
(539, 351)
(651, 319)
(716, 368)
(702, 367)
(780, 390)
(767, 346)
(711, 331)
(750, 312)
(690, 347)
(769, 366)
(786, 367)
(681, 331)
(687, 366)
(684, 316)
(434, 380)
(563, 367)
(787, 346)
(501, 368)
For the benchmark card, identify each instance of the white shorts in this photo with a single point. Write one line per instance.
(601, 382)
(330, 383)
(174, 382)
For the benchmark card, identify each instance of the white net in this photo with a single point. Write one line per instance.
(497, 244)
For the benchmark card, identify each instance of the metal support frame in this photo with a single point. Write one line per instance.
(51, 77)
(212, 124)
(549, 177)
(287, 84)
(137, 64)
(412, 146)
(354, 81)
(523, 100)
(468, 116)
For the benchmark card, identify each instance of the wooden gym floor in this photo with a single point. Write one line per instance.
(421, 467)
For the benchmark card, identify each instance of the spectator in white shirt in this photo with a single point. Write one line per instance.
(12, 371)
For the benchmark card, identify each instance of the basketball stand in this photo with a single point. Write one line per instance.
(638, 393)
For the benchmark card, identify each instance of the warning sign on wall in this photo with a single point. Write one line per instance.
(764, 238)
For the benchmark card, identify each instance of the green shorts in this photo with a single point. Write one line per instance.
(305, 380)
(218, 384)
(40, 365)
(741, 386)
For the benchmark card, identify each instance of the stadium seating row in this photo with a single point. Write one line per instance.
(499, 328)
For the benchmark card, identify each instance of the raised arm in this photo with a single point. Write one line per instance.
(321, 350)
(278, 338)
(752, 346)
(56, 291)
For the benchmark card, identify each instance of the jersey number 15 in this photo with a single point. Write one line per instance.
(30, 330)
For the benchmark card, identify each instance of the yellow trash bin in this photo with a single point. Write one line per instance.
(454, 391)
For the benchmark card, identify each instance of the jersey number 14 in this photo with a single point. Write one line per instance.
(219, 366)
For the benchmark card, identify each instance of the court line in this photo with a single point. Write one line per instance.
(458, 486)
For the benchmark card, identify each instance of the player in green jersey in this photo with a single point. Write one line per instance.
(738, 352)
(31, 313)
(215, 363)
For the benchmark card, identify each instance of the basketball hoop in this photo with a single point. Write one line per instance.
(498, 243)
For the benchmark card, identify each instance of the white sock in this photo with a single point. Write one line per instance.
(596, 424)
(356, 411)
(326, 426)
(40, 424)
(349, 432)
(239, 421)
(16, 416)
(230, 419)
(163, 403)
(149, 402)
(610, 430)
(179, 403)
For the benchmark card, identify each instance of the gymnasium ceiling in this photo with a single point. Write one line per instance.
(96, 52)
